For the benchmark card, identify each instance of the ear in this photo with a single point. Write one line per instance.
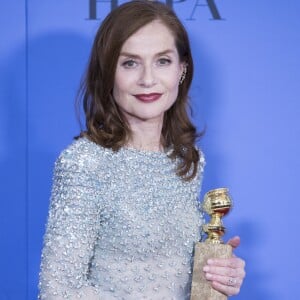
(183, 66)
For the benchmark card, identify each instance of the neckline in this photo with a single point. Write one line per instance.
(145, 152)
(164, 153)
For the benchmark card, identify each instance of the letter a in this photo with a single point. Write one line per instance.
(212, 7)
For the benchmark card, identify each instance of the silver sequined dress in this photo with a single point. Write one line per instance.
(120, 223)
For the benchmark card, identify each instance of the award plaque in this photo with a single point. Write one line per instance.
(216, 204)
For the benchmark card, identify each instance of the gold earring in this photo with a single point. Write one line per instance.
(183, 75)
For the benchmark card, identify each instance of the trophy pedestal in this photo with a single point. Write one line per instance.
(201, 288)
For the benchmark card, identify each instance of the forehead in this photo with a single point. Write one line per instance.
(153, 37)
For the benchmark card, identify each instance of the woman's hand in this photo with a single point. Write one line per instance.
(226, 274)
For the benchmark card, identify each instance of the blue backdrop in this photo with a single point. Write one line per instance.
(245, 90)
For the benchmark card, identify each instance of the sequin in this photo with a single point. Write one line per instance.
(121, 224)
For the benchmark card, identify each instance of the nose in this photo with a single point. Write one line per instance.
(147, 76)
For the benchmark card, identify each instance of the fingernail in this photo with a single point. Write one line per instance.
(206, 268)
(208, 276)
(210, 262)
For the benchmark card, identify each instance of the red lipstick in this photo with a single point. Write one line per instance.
(148, 97)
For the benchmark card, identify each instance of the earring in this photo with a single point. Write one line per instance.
(183, 75)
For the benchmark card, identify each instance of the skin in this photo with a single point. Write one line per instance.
(149, 63)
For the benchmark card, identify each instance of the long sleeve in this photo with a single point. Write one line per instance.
(71, 233)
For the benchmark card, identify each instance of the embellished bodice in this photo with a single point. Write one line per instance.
(121, 222)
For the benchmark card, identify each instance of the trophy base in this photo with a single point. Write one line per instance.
(201, 288)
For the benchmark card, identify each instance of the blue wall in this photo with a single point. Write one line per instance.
(245, 90)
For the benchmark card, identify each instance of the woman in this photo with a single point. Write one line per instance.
(124, 214)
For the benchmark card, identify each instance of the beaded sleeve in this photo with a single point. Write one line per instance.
(71, 233)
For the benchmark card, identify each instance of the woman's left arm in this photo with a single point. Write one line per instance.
(226, 274)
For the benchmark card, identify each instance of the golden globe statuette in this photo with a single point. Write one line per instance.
(216, 203)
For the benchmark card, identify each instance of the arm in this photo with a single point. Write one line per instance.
(71, 233)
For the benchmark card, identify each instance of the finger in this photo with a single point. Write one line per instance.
(233, 267)
(234, 242)
(232, 262)
(225, 289)
(225, 272)
(225, 280)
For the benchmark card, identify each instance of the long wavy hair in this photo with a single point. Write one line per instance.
(105, 123)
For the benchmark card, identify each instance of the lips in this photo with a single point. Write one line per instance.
(148, 97)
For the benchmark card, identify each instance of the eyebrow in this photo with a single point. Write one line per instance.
(165, 52)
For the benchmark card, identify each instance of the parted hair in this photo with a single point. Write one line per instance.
(104, 121)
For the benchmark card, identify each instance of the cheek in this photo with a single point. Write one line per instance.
(173, 87)
(118, 88)
(172, 79)
(116, 91)
(121, 91)
(122, 85)
(173, 92)
(172, 95)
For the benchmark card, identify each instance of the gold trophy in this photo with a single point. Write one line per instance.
(216, 203)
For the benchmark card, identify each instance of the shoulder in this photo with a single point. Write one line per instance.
(200, 166)
(201, 162)
(82, 154)
(82, 163)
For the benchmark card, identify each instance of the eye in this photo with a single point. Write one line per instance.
(164, 61)
(129, 64)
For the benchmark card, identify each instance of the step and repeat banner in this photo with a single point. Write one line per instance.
(245, 92)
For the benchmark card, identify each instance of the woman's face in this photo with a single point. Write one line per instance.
(147, 74)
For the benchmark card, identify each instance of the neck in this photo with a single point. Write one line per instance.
(146, 136)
